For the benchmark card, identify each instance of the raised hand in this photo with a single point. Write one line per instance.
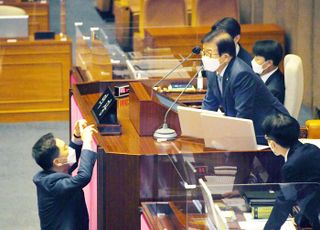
(79, 126)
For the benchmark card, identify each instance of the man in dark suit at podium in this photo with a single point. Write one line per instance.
(61, 203)
(232, 27)
(237, 91)
(301, 165)
(268, 55)
(234, 87)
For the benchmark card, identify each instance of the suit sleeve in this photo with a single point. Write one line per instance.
(210, 101)
(280, 212)
(277, 94)
(244, 95)
(284, 202)
(77, 148)
(71, 183)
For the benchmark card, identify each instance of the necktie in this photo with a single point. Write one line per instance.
(220, 80)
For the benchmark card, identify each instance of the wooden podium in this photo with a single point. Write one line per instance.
(34, 83)
(131, 166)
(146, 112)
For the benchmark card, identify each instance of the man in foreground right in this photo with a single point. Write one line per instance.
(301, 165)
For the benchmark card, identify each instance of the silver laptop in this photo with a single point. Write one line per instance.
(190, 121)
(229, 133)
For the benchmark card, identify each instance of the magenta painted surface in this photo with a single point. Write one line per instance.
(72, 80)
(90, 191)
(144, 224)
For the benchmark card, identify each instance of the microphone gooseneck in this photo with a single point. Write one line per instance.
(165, 133)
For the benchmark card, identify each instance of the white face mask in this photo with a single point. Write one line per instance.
(210, 64)
(256, 67)
(71, 159)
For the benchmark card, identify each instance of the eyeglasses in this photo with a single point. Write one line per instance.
(208, 53)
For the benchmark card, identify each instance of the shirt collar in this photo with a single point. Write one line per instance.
(237, 49)
(286, 155)
(266, 76)
(223, 70)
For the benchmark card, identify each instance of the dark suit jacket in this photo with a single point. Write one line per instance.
(244, 95)
(61, 202)
(275, 84)
(244, 55)
(302, 166)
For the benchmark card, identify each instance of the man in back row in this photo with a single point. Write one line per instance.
(267, 56)
(232, 27)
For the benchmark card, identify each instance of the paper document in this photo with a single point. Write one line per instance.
(315, 142)
(257, 224)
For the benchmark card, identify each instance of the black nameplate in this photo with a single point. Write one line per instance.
(44, 35)
(105, 110)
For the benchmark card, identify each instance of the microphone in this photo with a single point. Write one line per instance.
(165, 133)
(195, 50)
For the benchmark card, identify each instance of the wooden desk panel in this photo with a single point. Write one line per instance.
(130, 165)
(183, 39)
(38, 14)
(34, 81)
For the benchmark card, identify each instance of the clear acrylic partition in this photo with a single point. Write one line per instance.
(131, 56)
(63, 19)
(91, 54)
(195, 195)
(136, 51)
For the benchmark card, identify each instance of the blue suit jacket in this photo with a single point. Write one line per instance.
(244, 95)
(302, 166)
(61, 202)
(244, 55)
(275, 84)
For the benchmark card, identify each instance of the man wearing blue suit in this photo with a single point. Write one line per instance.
(234, 87)
(61, 203)
(301, 165)
(236, 90)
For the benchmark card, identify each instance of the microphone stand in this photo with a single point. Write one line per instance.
(165, 133)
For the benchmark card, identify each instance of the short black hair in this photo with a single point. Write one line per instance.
(229, 25)
(282, 129)
(45, 151)
(224, 45)
(269, 49)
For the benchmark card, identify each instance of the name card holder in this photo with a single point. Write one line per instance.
(105, 114)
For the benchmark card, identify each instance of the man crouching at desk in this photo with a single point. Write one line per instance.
(61, 203)
(301, 165)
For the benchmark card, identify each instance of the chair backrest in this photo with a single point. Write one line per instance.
(11, 11)
(207, 12)
(165, 13)
(293, 77)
